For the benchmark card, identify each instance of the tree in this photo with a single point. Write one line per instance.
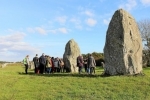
(99, 57)
(144, 27)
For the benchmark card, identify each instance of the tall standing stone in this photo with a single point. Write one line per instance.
(72, 51)
(123, 46)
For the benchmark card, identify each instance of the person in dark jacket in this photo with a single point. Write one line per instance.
(80, 63)
(42, 61)
(53, 69)
(85, 65)
(36, 63)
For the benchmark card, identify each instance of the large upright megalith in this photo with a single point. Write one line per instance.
(123, 46)
(72, 51)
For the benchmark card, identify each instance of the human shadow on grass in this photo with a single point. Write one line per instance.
(101, 74)
(62, 74)
(98, 74)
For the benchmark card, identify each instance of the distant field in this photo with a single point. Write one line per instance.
(15, 85)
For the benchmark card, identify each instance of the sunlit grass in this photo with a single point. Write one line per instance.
(15, 85)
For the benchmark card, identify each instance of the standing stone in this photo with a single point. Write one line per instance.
(31, 66)
(123, 46)
(72, 51)
(4, 65)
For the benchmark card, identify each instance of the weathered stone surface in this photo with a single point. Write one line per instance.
(4, 65)
(72, 51)
(123, 46)
(31, 66)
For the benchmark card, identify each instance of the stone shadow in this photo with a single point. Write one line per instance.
(63, 75)
(78, 75)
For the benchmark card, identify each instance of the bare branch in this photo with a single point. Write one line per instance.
(144, 27)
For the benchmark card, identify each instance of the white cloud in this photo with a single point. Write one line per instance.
(61, 19)
(12, 47)
(52, 31)
(41, 30)
(31, 30)
(91, 22)
(89, 13)
(77, 23)
(86, 12)
(129, 5)
(75, 20)
(45, 31)
(63, 30)
(79, 27)
(59, 30)
(17, 36)
(106, 21)
(145, 2)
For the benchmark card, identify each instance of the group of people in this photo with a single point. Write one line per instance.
(88, 64)
(44, 64)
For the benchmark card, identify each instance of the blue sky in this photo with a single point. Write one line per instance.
(45, 26)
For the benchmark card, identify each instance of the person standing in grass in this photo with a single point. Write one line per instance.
(91, 64)
(42, 61)
(85, 64)
(26, 63)
(56, 64)
(48, 64)
(53, 69)
(88, 60)
(36, 63)
(61, 65)
(80, 63)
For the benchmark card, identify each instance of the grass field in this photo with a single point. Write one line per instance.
(15, 85)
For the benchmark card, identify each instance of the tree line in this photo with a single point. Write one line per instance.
(144, 28)
(99, 57)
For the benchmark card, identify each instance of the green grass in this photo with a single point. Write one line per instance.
(15, 85)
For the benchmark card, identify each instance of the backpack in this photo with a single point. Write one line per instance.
(24, 61)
